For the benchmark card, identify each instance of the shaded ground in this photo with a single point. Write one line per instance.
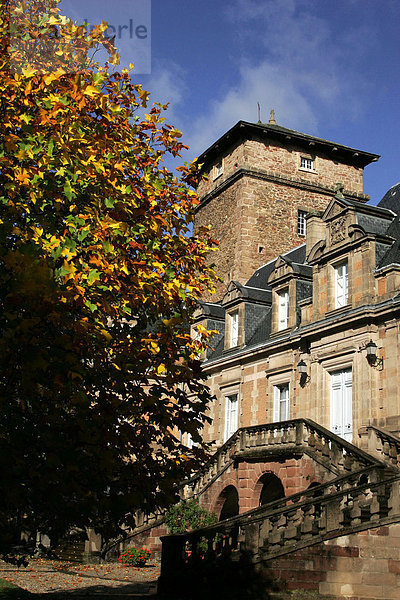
(64, 579)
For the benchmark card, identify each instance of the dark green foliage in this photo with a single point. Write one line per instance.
(188, 515)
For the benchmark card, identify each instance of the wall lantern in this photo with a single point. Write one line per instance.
(372, 357)
(302, 369)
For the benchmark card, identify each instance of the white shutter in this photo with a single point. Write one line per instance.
(342, 404)
(283, 309)
(341, 285)
(281, 402)
(277, 396)
(234, 329)
(231, 415)
(347, 405)
(284, 403)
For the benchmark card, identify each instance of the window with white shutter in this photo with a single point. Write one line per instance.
(342, 404)
(281, 402)
(231, 415)
(283, 309)
(341, 284)
(234, 326)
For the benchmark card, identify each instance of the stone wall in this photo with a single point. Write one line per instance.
(362, 566)
(252, 207)
(295, 475)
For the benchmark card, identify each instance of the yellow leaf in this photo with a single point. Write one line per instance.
(91, 91)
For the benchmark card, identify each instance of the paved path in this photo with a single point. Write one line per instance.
(64, 579)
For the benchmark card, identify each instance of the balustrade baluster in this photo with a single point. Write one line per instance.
(308, 524)
(299, 433)
(394, 499)
(293, 522)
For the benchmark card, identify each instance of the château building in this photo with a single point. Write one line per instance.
(304, 366)
(305, 372)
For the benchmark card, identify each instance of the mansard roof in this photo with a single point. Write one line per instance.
(213, 310)
(259, 279)
(391, 199)
(245, 292)
(245, 130)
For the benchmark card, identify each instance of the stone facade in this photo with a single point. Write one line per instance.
(304, 368)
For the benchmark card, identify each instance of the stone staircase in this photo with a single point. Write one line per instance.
(286, 439)
(364, 495)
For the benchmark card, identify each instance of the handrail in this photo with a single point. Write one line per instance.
(303, 435)
(273, 531)
(382, 444)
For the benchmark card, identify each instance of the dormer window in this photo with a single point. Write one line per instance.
(283, 309)
(234, 329)
(218, 169)
(341, 284)
(306, 163)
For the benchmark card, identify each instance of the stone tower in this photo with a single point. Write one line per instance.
(262, 181)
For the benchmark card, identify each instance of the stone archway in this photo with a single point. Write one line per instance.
(270, 488)
(228, 503)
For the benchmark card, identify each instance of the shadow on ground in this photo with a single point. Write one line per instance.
(226, 578)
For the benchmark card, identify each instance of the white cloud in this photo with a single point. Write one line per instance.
(266, 84)
(289, 59)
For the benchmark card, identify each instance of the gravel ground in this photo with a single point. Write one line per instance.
(61, 579)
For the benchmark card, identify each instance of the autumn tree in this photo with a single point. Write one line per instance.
(99, 278)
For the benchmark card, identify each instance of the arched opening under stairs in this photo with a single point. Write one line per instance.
(229, 500)
(272, 488)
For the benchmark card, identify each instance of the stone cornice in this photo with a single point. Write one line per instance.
(293, 339)
(275, 178)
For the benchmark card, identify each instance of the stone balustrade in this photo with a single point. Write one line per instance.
(351, 503)
(292, 437)
(382, 444)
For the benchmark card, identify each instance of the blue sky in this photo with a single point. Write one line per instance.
(328, 68)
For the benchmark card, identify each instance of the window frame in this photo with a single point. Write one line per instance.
(279, 400)
(307, 164)
(233, 329)
(218, 169)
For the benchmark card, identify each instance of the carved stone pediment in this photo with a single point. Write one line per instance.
(233, 292)
(280, 262)
(334, 209)
(282, 269)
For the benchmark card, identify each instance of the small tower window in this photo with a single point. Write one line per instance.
(306, 163)
(301, 222)
(218, 169)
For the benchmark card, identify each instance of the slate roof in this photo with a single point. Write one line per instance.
(260, 278)
(391, 199)
(247, 130)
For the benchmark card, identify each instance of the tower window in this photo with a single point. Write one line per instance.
(301, 222)
(306, 163)
(218, 169)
